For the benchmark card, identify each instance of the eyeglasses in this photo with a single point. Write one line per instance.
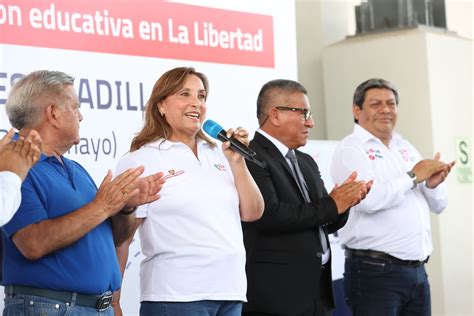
(305, 113)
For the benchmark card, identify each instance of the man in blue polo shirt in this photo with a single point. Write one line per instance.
(59, 247)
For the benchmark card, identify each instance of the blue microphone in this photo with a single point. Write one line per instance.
(216, 131)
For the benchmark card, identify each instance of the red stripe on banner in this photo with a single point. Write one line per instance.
(142, 28)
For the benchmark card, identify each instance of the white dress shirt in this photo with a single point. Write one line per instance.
(394, 217)
(10, 195)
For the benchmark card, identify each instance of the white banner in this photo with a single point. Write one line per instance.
(117, 49)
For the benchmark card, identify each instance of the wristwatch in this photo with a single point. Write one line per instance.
(412, 175)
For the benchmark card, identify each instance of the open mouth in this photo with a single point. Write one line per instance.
(193, 115)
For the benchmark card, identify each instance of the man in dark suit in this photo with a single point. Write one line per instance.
(288, 256)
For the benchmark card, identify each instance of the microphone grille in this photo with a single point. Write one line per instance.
(212, 128)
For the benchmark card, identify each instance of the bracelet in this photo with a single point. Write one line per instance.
(131, 211)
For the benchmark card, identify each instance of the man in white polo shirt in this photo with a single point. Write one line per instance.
(388, 235)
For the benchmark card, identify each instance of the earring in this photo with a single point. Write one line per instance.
(162, 114)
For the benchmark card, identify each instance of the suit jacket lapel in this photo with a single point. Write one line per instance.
(274, 153)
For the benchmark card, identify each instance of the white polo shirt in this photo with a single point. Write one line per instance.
(393, 218)
(10, 195)
(192, 236)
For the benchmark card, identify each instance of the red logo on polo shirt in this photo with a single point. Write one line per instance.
(406, 156)
(219, 167)
(374, 153)
(172, 173)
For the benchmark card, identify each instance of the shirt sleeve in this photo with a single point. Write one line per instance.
(10, 195)
(385, 192)
(32, 209)
(437, 198)
(125, 163)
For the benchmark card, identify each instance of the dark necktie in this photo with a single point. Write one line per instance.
(298, 175)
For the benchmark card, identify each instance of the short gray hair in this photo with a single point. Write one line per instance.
(31, 94)
(374, 83)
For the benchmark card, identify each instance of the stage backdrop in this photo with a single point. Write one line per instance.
(117, 49)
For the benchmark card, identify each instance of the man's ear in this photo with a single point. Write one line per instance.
(274, 117)
(356, 111)
(52, 113)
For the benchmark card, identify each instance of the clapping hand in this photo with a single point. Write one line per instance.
(438, 177)
(148, 187)
(18, 157)
(113, 195)
(350, 193)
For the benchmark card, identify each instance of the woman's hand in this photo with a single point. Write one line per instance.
(240, 134)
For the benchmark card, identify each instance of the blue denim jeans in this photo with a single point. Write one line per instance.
(198, 308)
(378, 287)
(29, 305)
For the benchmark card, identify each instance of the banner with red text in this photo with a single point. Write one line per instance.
(145, 28)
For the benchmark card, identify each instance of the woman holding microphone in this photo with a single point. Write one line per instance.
(191, 237)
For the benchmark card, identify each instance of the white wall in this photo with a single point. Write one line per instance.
(459, 17)
(450, 90)
(319, 24)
